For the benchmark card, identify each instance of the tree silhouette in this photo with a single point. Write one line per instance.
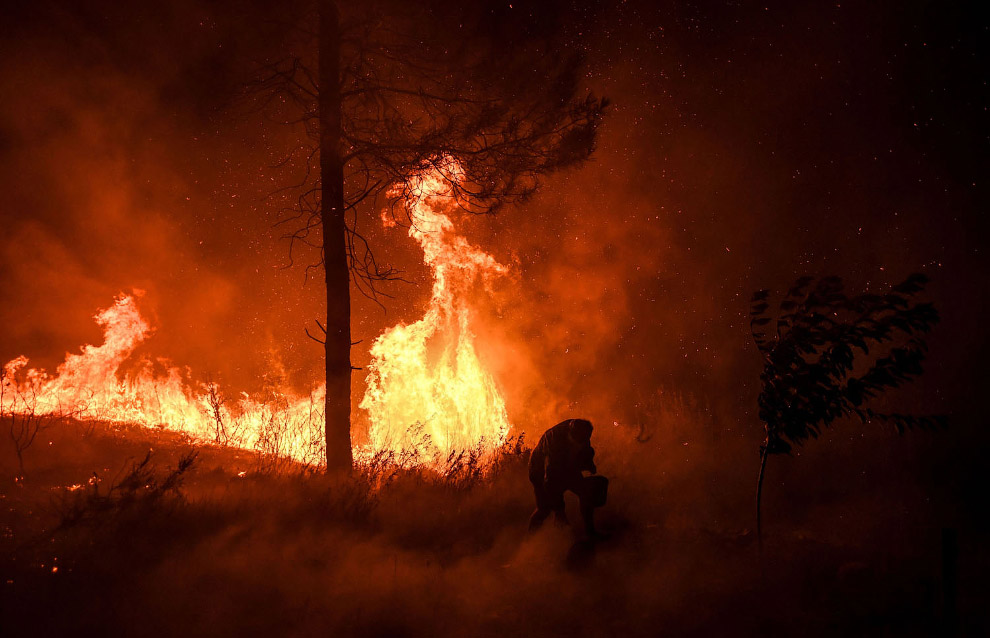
(818, 365)
(390, 90)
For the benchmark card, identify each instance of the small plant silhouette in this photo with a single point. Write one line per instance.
(817, 359)
(142, 491)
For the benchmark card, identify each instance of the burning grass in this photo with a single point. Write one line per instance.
(428, 395)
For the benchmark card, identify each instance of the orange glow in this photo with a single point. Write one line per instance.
(89, 386)
(428, 393)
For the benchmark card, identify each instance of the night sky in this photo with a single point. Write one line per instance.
(747, 144)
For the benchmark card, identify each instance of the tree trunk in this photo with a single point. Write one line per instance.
(759, 495)
(338, 337)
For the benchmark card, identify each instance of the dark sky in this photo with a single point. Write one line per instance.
(747, 144)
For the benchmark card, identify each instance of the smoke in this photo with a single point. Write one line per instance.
(115, 179)
(254, 553)
(735, 157)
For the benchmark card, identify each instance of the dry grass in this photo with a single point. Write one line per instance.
(218, 547)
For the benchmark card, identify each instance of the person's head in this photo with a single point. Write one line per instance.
(581, 430)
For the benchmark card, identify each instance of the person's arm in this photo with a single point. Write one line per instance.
(588, 460)
(538, 463)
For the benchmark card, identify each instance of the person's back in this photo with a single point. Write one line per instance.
(562, 453)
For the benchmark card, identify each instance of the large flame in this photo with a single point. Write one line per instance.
(427, 390)
(91, 386)
(428, 393)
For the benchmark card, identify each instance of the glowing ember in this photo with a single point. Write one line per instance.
(427, 391)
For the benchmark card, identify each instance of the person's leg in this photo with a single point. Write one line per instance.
(536, 519)
(554, 495)
(588, 516)
(559, 511)
(588, 499)
(542, 508)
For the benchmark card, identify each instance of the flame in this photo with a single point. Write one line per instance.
(90, 386)
(428, 393)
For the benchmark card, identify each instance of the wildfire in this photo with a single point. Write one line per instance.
(427, 390)
(428, 394)
(90, 386)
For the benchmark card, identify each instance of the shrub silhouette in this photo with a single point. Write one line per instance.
(818, 365)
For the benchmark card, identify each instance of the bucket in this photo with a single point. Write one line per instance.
(596, 490)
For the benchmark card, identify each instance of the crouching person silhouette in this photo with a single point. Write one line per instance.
(557, 465)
